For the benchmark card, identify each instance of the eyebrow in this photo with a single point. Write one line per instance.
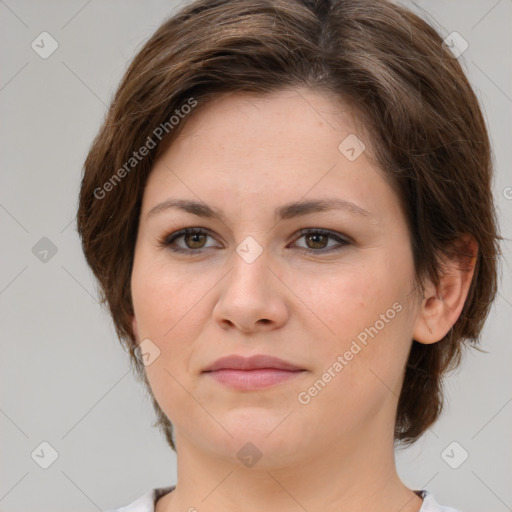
(287, 211)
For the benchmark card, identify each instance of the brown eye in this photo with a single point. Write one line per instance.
(195, 240)
(317, 241)
(187, 241)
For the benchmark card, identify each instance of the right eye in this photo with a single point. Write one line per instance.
(194, 239)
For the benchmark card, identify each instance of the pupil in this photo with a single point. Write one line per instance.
(195, 235)
(317, 236)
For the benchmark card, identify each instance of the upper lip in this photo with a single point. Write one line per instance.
(236, 362)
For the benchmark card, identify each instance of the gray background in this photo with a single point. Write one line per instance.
(64, 378)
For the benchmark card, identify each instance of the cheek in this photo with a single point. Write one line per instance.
(163, 297)
(344, 301)
(362, 316)
(164, 302)
(168, 309)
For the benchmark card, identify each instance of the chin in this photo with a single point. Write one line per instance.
(268, 438)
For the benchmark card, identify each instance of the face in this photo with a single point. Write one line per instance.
(263, 271)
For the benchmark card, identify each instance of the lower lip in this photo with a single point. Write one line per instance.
(253, 379)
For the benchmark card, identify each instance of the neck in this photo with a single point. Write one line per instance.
(343, 478)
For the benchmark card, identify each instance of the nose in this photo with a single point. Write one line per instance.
(252, 298)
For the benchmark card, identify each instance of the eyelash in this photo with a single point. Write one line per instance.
(169, 239)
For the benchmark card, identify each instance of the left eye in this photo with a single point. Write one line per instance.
(319, 238)
(195, 240)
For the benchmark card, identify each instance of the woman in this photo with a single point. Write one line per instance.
(289, 212)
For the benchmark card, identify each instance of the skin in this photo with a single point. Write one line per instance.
(248, 155)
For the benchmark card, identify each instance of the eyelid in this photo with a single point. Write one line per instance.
(333, 234)
(341, 240)
(166, 240)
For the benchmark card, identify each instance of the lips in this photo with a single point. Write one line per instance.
(250, 374)
(257, 362)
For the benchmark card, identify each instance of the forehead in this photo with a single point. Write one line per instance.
(276, 148)
(281, 117)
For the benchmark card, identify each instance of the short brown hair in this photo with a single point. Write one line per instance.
(426, 128)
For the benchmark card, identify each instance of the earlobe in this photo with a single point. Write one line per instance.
(442, 305)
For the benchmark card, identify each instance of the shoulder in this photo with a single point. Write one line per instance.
(146, 503)
(430, 504)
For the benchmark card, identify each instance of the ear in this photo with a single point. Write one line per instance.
(442, 305)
